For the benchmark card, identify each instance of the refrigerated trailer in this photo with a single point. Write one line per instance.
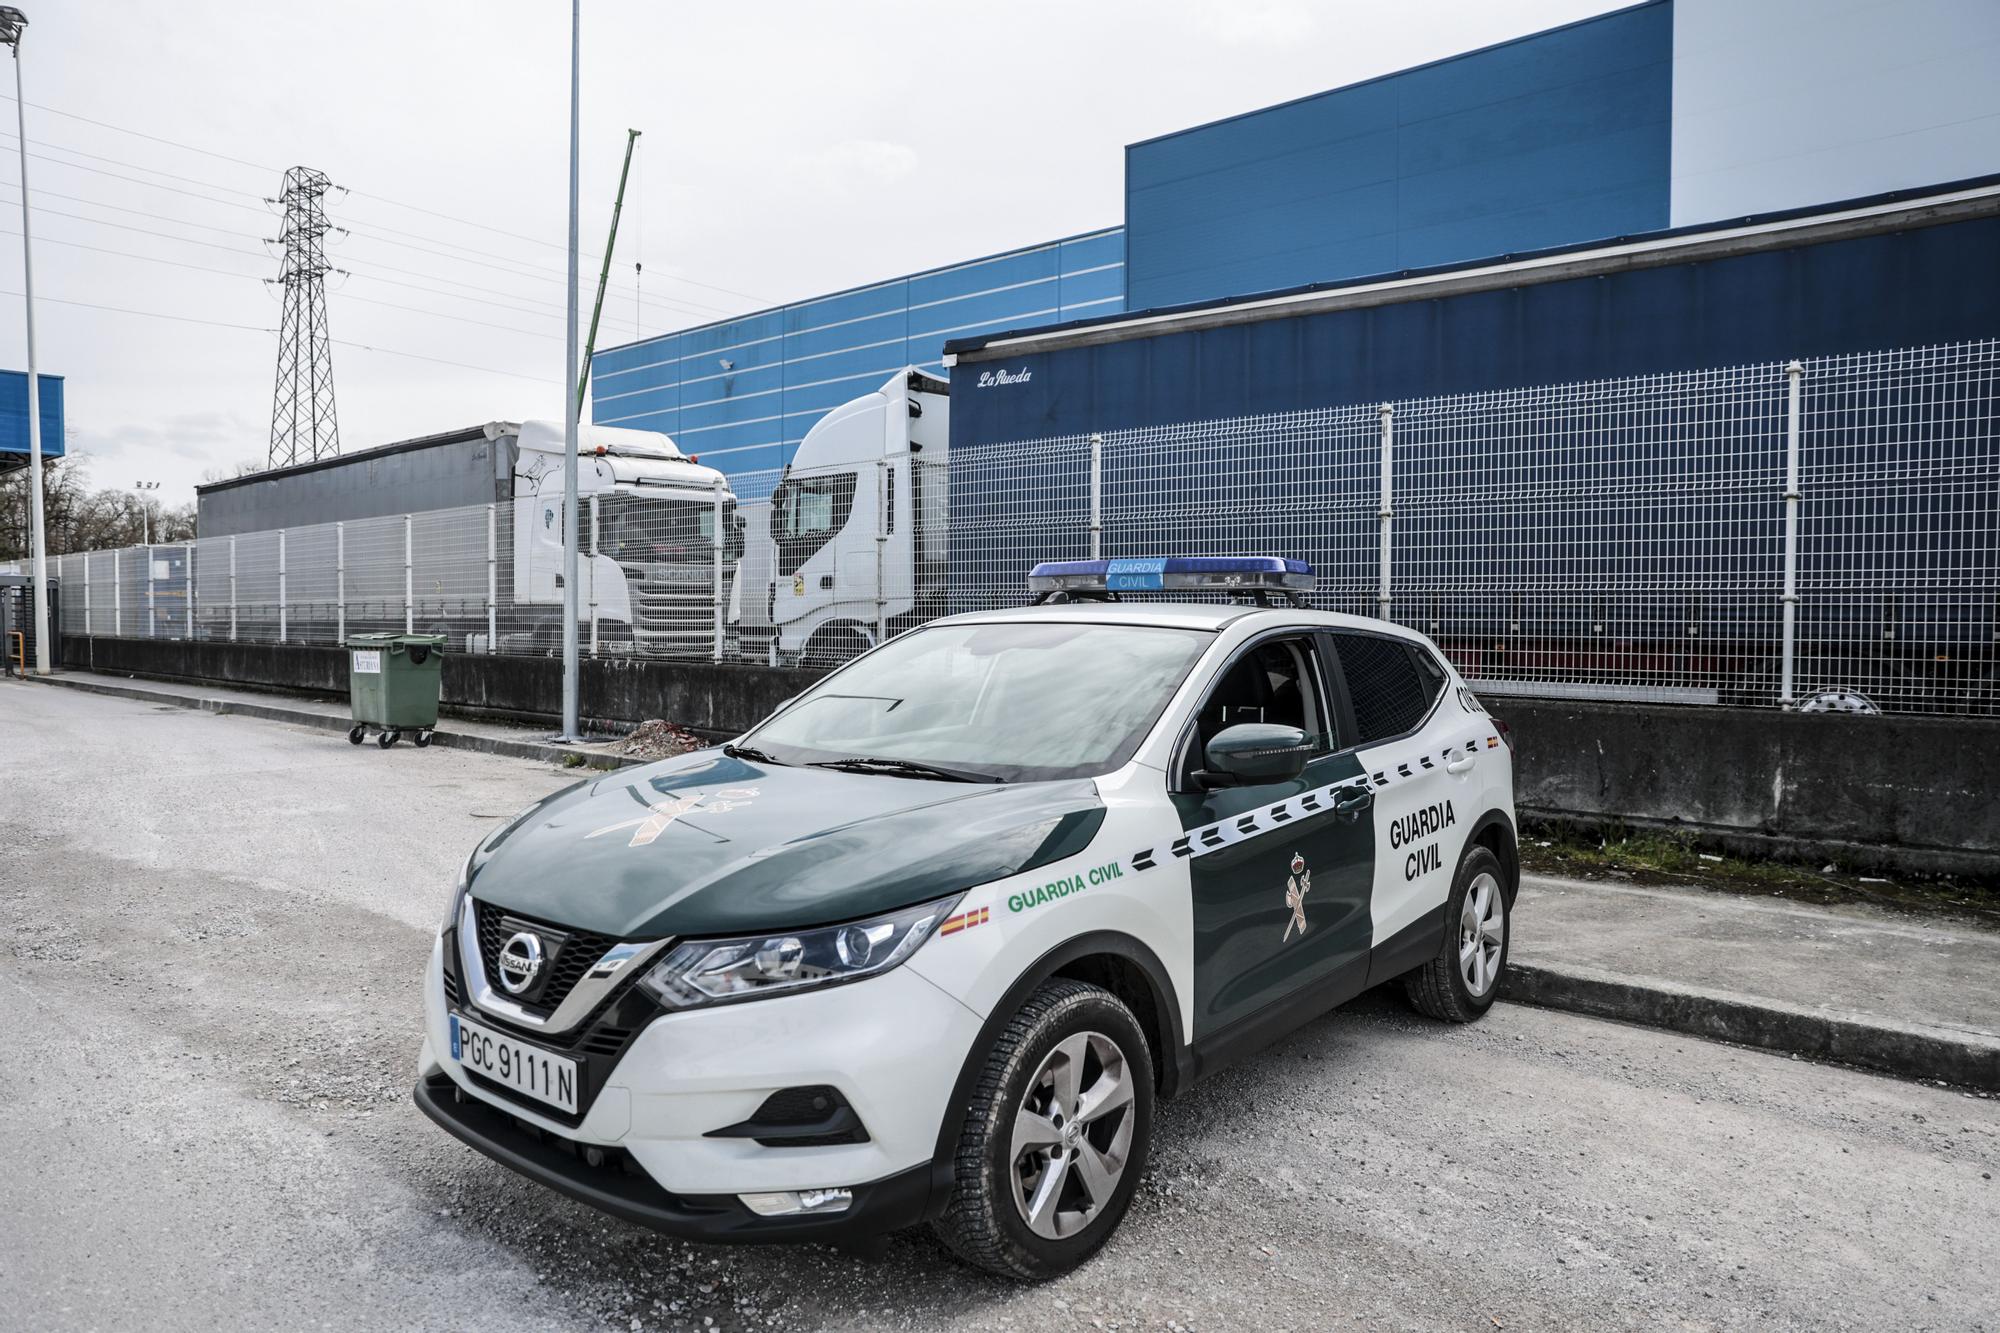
(660, 540)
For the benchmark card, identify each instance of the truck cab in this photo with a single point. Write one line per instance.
(857, 524)
(660, 537)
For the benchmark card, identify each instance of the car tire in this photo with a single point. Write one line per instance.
(1070, 1042)
(1460, 983)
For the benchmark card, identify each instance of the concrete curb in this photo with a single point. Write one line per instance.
(457, 740)
(1966, 1059)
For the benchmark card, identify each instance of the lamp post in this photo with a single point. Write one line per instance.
(146, 510)
(571, 731)
(12, 21)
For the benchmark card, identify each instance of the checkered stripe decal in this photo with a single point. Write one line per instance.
(1213, 837)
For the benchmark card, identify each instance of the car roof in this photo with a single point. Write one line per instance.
(1210, 616)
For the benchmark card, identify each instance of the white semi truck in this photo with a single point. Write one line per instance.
(853, 549)
(661, 539)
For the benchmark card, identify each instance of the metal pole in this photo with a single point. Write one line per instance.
(492, 579)
(1795, 373)
(570, 730)
(715, 559)
(192, 601)
(232, 590)
(340, 583)
(409, 582)
(1096, 496)
(591, 576)
(37, 539)
(1388, 503)
(284, 593)
(152, 618)
(89, 625)
(117, 594)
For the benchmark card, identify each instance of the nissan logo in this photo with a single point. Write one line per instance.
(520, 961)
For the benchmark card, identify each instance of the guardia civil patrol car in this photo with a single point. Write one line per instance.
(933, 941)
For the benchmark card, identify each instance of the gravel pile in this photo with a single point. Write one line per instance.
(658, 739)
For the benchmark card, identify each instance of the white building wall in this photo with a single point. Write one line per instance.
(1785, 103)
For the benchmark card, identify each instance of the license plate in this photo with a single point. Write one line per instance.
(514, 1064)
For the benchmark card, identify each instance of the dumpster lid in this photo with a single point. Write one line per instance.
(394, 640)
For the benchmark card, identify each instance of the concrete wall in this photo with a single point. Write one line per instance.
(1909, 793)
(704, 698)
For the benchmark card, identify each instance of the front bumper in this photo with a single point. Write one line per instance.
(892, 1046)
(614, 1186)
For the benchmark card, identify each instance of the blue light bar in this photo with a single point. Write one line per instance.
(1247, 573)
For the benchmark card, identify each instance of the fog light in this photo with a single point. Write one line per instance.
(792, 1203)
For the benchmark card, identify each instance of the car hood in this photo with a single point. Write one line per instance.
(703, 844)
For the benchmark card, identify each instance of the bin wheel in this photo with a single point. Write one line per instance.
(423, 738)
(356, 734)
(388, 738)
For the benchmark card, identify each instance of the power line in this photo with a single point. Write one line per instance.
(438, 360)
(149, 314)
(127, 254)
(43, 193)
(140, 134)
(134, 166)
(258, 209)
(439, 314)
(146, 231)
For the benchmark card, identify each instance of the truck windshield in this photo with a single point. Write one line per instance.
(1020, 702)
(643, 529)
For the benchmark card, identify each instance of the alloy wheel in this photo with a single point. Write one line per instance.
(1482, 930)
(1072, 1137)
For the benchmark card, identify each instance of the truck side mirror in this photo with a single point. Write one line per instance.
(1255, 753)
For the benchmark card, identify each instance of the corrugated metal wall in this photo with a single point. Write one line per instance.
(1559, 137)
(743, 392)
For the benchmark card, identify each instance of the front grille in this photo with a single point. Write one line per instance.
(672, 605)
(573, 955)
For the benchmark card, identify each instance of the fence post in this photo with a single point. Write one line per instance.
(232, 590)
(590, 575)
(89, 626)
(117, 593)
(187, 555)
(883, 518)
(152, 620)
(340, 583)
(409, 582)
(1388, 503)
(715, 561)
(1096, 495)
(1795, 373)
(284, 592)
(492, 579)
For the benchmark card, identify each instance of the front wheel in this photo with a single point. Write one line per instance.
(1459, 984)
(1055, 1135)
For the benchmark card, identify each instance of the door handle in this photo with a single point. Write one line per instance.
(1459, 765)
(1350, 802)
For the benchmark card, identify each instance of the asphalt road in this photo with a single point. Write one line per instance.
(211, 932)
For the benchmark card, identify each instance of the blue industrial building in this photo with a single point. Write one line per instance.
(1671, 114)
(14, 417)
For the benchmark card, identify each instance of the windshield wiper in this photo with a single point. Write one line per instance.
(908, 768)
(751, 753)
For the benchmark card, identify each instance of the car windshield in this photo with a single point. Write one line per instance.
(1010, 702)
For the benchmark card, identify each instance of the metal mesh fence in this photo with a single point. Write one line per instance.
(1616, 539)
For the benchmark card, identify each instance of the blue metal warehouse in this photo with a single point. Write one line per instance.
(1665, 115)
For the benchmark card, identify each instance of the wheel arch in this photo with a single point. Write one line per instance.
(1494, 831)
(1120, 964)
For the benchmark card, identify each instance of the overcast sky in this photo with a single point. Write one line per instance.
(789, 149)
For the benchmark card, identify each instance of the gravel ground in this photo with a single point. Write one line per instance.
(211, 930)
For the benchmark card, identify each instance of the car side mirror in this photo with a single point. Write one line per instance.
(1255, 752)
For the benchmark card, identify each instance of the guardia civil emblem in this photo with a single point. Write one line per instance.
(660, 815)
(1297, 885)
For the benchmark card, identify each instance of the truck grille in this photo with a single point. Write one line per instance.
(673, 607)
(563, 966)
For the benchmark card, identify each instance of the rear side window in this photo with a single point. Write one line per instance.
(1389, 693)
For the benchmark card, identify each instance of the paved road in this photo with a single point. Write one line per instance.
(211, 930)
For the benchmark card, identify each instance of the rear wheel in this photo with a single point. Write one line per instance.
(1459, 984)
(1055, 1135)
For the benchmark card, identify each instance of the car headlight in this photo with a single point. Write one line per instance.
(700, 972)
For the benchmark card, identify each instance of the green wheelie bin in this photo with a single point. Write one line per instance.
(393, 685)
